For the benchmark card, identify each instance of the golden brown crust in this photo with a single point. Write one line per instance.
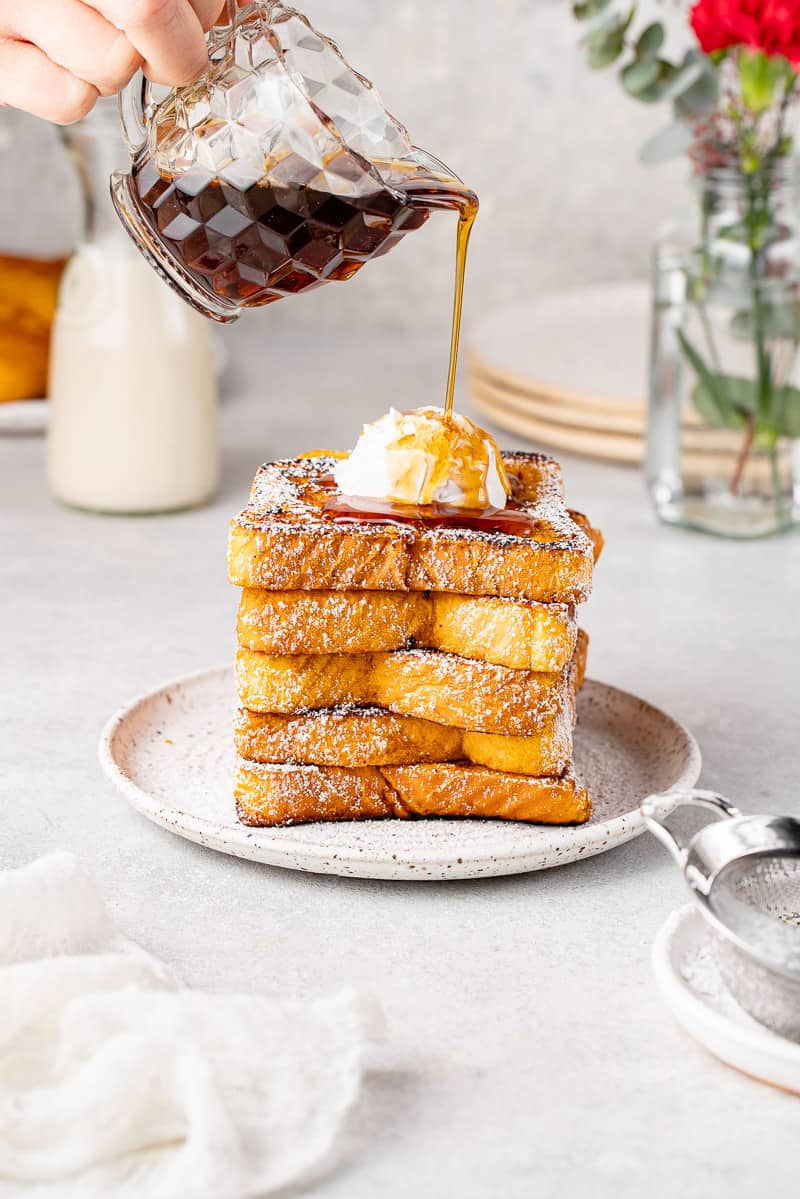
(444, 688)
(520, 634)
(269, 795)
(283, 542)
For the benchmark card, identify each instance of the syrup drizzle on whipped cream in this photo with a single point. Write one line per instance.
(425, 459)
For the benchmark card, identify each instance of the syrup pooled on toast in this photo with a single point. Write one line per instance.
(512, 520)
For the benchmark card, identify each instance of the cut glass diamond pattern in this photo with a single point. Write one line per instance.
(278, 169)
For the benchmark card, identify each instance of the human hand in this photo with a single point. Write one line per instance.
(58, 56)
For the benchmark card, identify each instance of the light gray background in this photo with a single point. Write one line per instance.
(529, 1053)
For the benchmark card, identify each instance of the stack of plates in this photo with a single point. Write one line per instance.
(568, 370)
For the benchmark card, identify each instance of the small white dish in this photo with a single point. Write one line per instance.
(170, 754)
(23, 416)
(691, 984)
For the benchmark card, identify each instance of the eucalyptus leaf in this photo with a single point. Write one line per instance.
(639, 75)
(585, 9)
(695, 87)
(673, 140)
(612, 17)
(685, 77)
(600, 43)
(658, 89)
(650, 41)
(606, 52)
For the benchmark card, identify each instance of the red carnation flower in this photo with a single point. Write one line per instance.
(769, 25)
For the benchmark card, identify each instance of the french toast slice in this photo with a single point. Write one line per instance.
(349, 736)
(520, 634)
(285, 541)
(444, 688)
(270, 794)
(370, 736)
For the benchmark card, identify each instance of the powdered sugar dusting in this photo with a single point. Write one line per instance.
(283, 540)
(516, 633)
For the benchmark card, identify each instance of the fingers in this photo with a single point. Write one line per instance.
(29, 80)
(57, 56)
(168, 35)
(78, 38)
(208, 11)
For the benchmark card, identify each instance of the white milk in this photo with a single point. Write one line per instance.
(132, 390)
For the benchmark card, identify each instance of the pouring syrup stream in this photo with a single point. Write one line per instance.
(452, 194)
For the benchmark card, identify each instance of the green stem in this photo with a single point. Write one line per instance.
(744, 454)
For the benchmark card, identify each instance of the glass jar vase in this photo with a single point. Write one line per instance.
(724, 414)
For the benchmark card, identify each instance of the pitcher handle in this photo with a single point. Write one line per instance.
(135, 100)
(133, 104)
(711, 800)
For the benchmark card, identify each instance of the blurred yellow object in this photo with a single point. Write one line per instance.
(28, 295)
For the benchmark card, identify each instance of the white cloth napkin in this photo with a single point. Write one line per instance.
(115, 1081)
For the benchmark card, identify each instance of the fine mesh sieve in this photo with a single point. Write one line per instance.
(744, 875)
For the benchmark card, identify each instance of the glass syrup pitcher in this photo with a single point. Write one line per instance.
(275, 172)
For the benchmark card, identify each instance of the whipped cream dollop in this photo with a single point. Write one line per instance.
(425, 457)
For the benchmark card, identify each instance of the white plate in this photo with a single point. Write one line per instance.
(170, 754)
(543, 405)
(689, 980)
(516, 418)
(23, 416)
(585, 346)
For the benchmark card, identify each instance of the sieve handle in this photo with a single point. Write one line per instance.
(693, 799)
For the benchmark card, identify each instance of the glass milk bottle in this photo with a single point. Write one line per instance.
(133, 398)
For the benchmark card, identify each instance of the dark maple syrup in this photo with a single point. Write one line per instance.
(513, 520)
(255, 244)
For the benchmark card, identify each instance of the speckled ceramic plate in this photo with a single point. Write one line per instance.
(690, 981)
(170, 754)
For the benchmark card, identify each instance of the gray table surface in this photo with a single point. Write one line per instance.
(529, 1053)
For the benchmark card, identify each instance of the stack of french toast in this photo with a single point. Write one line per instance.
(408, 668)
